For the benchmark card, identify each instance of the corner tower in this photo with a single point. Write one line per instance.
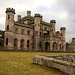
(9, 19)
(8, 40)
(63, 44)
(53, 22)
(37, 19)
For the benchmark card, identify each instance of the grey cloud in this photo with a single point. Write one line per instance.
(68, 6)
(48, 11)
(2, 27)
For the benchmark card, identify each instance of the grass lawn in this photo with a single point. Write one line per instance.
(21, 63)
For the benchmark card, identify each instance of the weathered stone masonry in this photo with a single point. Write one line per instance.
(64, 63)
(31, 32)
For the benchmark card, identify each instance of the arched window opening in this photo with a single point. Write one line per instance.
(8, 16)
(60, 46)
(28, 43)
(40, 34)
(15, 42)
(47, 46)
(22, 31)
(7, 27)
(54, 46)
(6, 41)
(63, 47)
(28, 32)
(22, 43)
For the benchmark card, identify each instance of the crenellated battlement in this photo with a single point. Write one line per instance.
(28, 11)
(63, 28)
(38, 15)
(57, 32)
(73, 39)
(10, 10)
(52, 21)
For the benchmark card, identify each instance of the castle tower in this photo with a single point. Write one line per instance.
(53, 22)
(37, 19)
(63, 44)
(9, 27)
(19, 17)
(28, 13)
(9, 19)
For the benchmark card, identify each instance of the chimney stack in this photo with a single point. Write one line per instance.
(28, 13)
(19, 17)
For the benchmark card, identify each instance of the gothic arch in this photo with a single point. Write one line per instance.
(22, 43)
(47, 46)
(15, 42)
(60, 46)
(54, 46)
(28, 43)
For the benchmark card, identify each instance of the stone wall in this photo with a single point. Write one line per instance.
(64, 63)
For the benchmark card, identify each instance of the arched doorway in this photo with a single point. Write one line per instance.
(60, 46)
(28, 43)
(54, 46)
(47, 46)
(15, 42)
(22, 43)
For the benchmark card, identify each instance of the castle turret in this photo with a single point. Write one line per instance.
(9, 19)
(19, 17)
(28, 13)
(63, 44)
(37, 19)
(53, 22)
(8, 40)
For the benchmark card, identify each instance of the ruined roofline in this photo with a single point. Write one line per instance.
(25, 18)
(31, 18)
(23, 25)
(45, 23)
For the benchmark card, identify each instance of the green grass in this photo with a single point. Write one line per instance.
(21, 63)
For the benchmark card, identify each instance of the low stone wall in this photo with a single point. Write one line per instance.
(31, 50)
(64, 63)
(19, 49)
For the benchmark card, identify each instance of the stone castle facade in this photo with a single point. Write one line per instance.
(71, 46)
(31, 32)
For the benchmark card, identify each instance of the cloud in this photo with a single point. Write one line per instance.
(61, 10)
(68, 6)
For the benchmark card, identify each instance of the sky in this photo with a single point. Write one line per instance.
(63, 11)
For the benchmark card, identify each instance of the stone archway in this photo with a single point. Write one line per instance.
(28, 43)
(60, 46)
(15, 42)
(22, 43)
(47, 46)
(54, 46)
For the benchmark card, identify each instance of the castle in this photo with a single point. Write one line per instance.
(31, 32)
(71, 46)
